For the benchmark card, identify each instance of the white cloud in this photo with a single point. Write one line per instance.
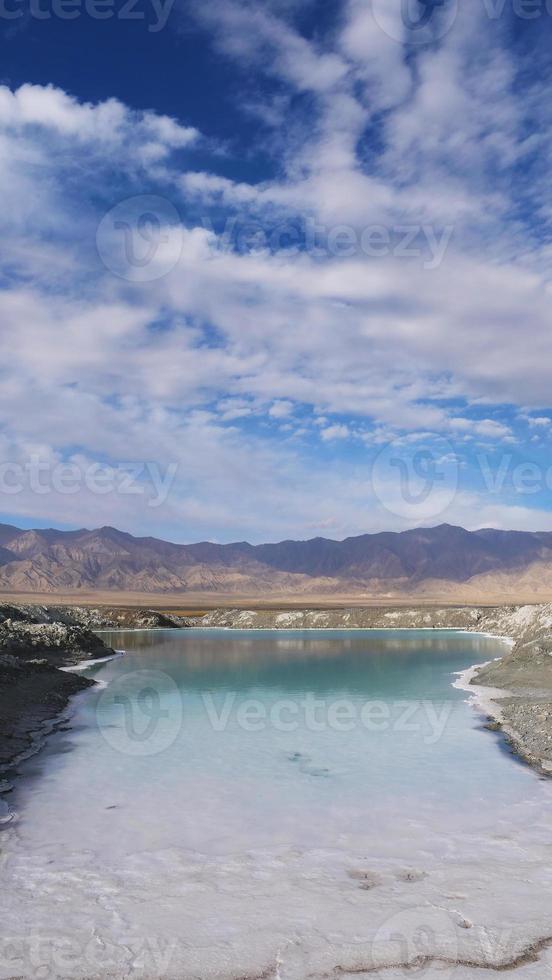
(281, 409)
(492, 429)
(486, 428)
(335, 432)
(253, 34)
(107, 122)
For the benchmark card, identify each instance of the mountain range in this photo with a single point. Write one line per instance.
(442, 560)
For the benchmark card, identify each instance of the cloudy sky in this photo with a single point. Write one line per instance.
(276, 268)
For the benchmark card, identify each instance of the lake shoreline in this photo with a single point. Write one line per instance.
(34, 693)
(43, 650)
(39, 664)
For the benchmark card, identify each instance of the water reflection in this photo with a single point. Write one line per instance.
(374, 663)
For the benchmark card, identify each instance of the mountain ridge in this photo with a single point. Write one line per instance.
(107, 559)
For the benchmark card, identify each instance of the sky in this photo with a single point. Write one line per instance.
(275, 269)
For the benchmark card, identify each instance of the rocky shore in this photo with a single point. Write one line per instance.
(33, 690)
(93, 618)
(524, 713)
(35, 642)
(521, 707)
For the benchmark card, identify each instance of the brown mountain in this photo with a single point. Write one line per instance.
(438, 560)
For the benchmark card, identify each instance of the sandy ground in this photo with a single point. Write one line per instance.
(188, 602)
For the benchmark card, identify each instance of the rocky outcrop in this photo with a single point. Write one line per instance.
(143, 619)
(33, 690)
(119, 618)
(98, 618)
(524, 624)
(353, 618)
(58, 643)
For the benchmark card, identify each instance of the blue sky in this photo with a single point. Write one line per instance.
(275, 269)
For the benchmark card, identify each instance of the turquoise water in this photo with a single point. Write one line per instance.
(244, 798)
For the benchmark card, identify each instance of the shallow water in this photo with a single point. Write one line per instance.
(281, 804)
